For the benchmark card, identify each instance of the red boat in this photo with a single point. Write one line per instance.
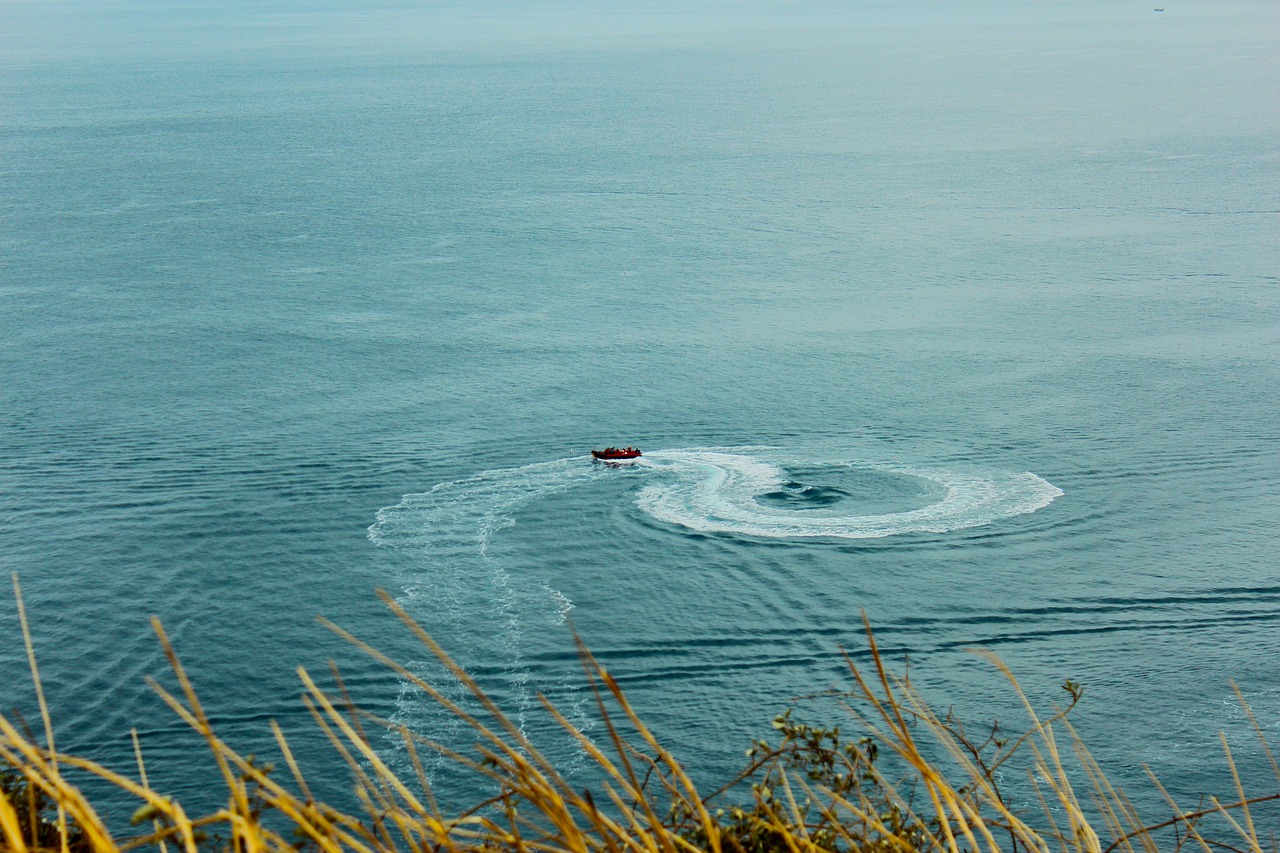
(615, 454)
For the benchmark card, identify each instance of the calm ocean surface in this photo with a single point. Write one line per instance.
(962, 315)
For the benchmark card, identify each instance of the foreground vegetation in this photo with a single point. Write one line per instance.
(808, 789)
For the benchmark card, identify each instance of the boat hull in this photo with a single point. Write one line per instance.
(616, 456)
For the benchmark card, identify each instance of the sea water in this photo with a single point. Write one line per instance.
(960, 316)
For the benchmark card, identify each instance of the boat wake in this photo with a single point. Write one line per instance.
(731, 492)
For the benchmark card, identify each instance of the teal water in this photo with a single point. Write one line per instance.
(962, 316)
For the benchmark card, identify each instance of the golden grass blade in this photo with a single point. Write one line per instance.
(418, 769)
(1034, 781)
(1104, 793)
(1247, 836)
(363, 782)
(40, 699)
(1129, 810)
(1252, 834)
(1262, 738)
(361, 743)
(1180, 817)
(283, 743)
(201, 723)
(591, 669)
(346, 699)
(142, 777)
(13, 839)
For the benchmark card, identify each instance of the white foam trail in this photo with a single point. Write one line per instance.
(477, 602)
(465, 513)
(717, 491)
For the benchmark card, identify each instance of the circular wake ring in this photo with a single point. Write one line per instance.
(718, 491)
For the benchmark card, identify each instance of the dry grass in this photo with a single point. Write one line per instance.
(810, 790)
